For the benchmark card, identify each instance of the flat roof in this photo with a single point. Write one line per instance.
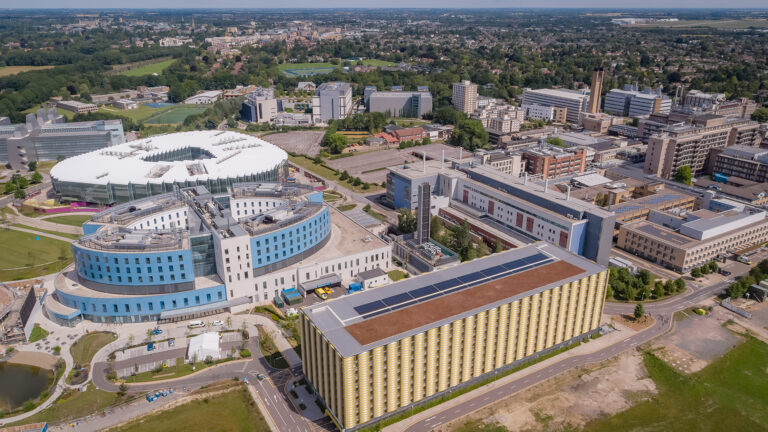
(222, 155)
(654, 201)
(562, 93)
(376, 317)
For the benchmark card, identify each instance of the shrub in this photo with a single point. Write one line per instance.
(244, 353)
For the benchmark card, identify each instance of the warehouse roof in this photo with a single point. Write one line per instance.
(360, 322)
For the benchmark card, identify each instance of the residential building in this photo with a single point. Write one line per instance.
(576, 101)
(332, 100)
(551, 162)
(465, 97)
(633, 103)
(260, 106)
(77, 107)
(747, 162)
(45, 136)
(408, 134)
(682, 242)
(399, 103)
(500, 118)
(689, 144)
(191, 253)
(203, 98)
(377, 353)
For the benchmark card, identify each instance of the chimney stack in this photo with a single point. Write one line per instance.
(568, 193)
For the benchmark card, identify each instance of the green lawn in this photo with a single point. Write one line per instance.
(179, 370)
(149, 69)
(86, 347)
(175, 114)
(376, 215)
(24, 257)
(347, 207)
(234, 410)
(320, 65)
(396, 275)
(73, 404)
(376, 62)
(38, 333)
(74, 220)
(57, 233)
(728, 395)
(138, 115)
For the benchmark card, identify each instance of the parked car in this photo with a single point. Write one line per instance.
(171, 341)
(157, 331)
(724, 272)
(150, 346)
(260, 377)
(218, 323)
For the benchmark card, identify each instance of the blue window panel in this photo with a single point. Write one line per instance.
(389, 301)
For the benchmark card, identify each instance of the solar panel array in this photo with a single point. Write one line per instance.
(429, 292)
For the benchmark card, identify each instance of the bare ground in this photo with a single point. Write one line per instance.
(41, 360)
(299, 142)
(572, 399)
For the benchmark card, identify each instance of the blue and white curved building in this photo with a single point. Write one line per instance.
(190, 253)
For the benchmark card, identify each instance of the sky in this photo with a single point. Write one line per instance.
(612, 4)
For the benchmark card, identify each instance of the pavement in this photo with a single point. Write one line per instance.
(40, 233)
(44, 224)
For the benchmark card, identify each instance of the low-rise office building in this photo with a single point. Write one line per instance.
(204, 98)
(552, 162)
(747, 162)
(399, 103)
(684, 242)
(576, 101)
(260, 106)
(47, 137)
(77, 107)
(634, 103)
(377, 353)
(332, 100)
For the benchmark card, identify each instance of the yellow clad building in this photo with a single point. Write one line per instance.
(376, 353)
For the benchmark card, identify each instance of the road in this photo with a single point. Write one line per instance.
(279, 407)
(662, 311)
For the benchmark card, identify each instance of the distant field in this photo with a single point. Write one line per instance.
(719, 24)
(175, 114)
(149, 69)
(376, 62)
(13, 70)
(306, 69)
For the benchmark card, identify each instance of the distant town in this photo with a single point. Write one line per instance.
(397, 220)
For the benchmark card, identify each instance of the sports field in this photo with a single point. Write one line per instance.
(376, 62)
(175, 114)
(149, 69)
(24, 257)
(13, 70)
(306, 69)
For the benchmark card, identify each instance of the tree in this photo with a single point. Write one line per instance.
(498, 246)
(760, 115)
(645, 277)
(639, 311)
(36, 177)
(658, 290)
(696, 272)
(555, 141)
(19, 194)
(679, 284)
(10, 188)
(32, 166)
(344, 175)
(337, 143)
(470, 134)
(683, 175)
(22, 182)
(406, 221)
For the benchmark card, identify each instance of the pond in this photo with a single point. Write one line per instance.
(20, 383)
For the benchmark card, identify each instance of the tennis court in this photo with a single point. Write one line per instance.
(174, 115)
(306, 69)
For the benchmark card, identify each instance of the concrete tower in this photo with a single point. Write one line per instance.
(595, 90)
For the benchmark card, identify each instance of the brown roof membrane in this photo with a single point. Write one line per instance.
(421, 314)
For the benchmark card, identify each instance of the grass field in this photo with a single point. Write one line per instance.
(74, 220)
(729, 394)
(148, 69)
(38, 333)
(175, 114)
(13, 70)
(86, 347)
(306, 69)
(376, 62)
(56, 233)
(24, 257)
(73, 404)
(234, 410)
(397, 275)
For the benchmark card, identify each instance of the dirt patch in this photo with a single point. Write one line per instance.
(681, 360)
(41, 360)
(573, 399)
(635, 324)
(299, 142)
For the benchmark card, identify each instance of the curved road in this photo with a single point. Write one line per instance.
(662, 311)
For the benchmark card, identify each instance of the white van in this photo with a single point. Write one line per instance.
(196, 324)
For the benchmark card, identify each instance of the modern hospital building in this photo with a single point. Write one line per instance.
(191, 252)
(376, 353)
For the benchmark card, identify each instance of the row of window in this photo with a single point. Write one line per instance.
(115, 308)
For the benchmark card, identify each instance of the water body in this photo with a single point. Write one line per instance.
(20, 383)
